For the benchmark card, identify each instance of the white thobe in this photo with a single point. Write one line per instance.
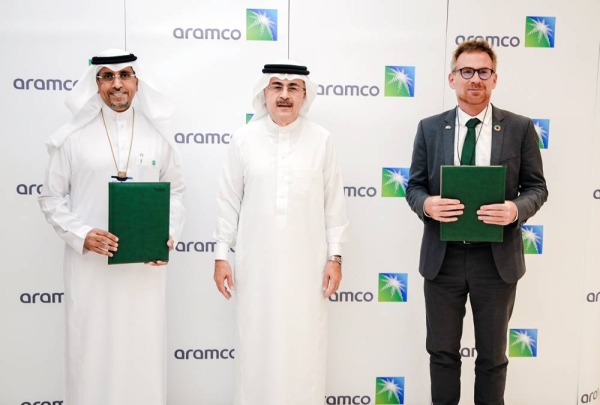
(281, 204)
(115, 351)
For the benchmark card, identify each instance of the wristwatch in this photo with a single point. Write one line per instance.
(336, 258)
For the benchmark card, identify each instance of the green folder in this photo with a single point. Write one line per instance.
(138, 214)
(474, 186)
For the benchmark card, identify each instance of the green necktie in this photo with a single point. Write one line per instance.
(467, 157)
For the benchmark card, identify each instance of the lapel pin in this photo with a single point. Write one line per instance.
(497, 128)
(448, 127)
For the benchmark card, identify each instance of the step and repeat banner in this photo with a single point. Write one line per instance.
(381, 67)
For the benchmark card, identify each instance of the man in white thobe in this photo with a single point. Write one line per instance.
(115, 315)
(281, 204)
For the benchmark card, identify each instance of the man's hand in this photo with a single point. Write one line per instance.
(223, 272)
(170, 243)
(101, 242)
(443, 209)
(498, 214)
(332, 278)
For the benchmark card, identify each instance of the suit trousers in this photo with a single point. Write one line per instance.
(468, 270)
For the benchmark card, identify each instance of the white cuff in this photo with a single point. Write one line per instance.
(335, 249)
(221, 251)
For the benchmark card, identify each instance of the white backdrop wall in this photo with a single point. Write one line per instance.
(351, 48)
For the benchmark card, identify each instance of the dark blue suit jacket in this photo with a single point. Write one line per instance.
(516, 146)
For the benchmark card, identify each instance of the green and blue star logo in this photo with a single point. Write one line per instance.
(542, 127)
(261, 24)
(399, 81)
(522, 343)
(393, 287)
(389, 390)
(249, 117)
(394, 181)
(539, 32)
(533, 239)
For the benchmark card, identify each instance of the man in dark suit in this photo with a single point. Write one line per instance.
(486, 272)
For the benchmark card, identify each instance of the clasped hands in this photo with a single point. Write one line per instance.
(449, 209)
(105, 243)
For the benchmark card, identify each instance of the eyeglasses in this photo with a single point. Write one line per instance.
(110, 77)
(291, 89)
(468, 72)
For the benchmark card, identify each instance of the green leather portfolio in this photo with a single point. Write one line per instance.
(138, 214)
(474, 186)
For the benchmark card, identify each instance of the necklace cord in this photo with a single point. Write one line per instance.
(110, 143)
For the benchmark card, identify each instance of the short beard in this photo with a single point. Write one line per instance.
(119, 107)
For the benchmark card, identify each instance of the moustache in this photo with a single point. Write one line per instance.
(284, 104)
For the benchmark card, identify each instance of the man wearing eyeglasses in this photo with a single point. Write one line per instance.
(487, 273)
(281, 205)
(115, 315)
